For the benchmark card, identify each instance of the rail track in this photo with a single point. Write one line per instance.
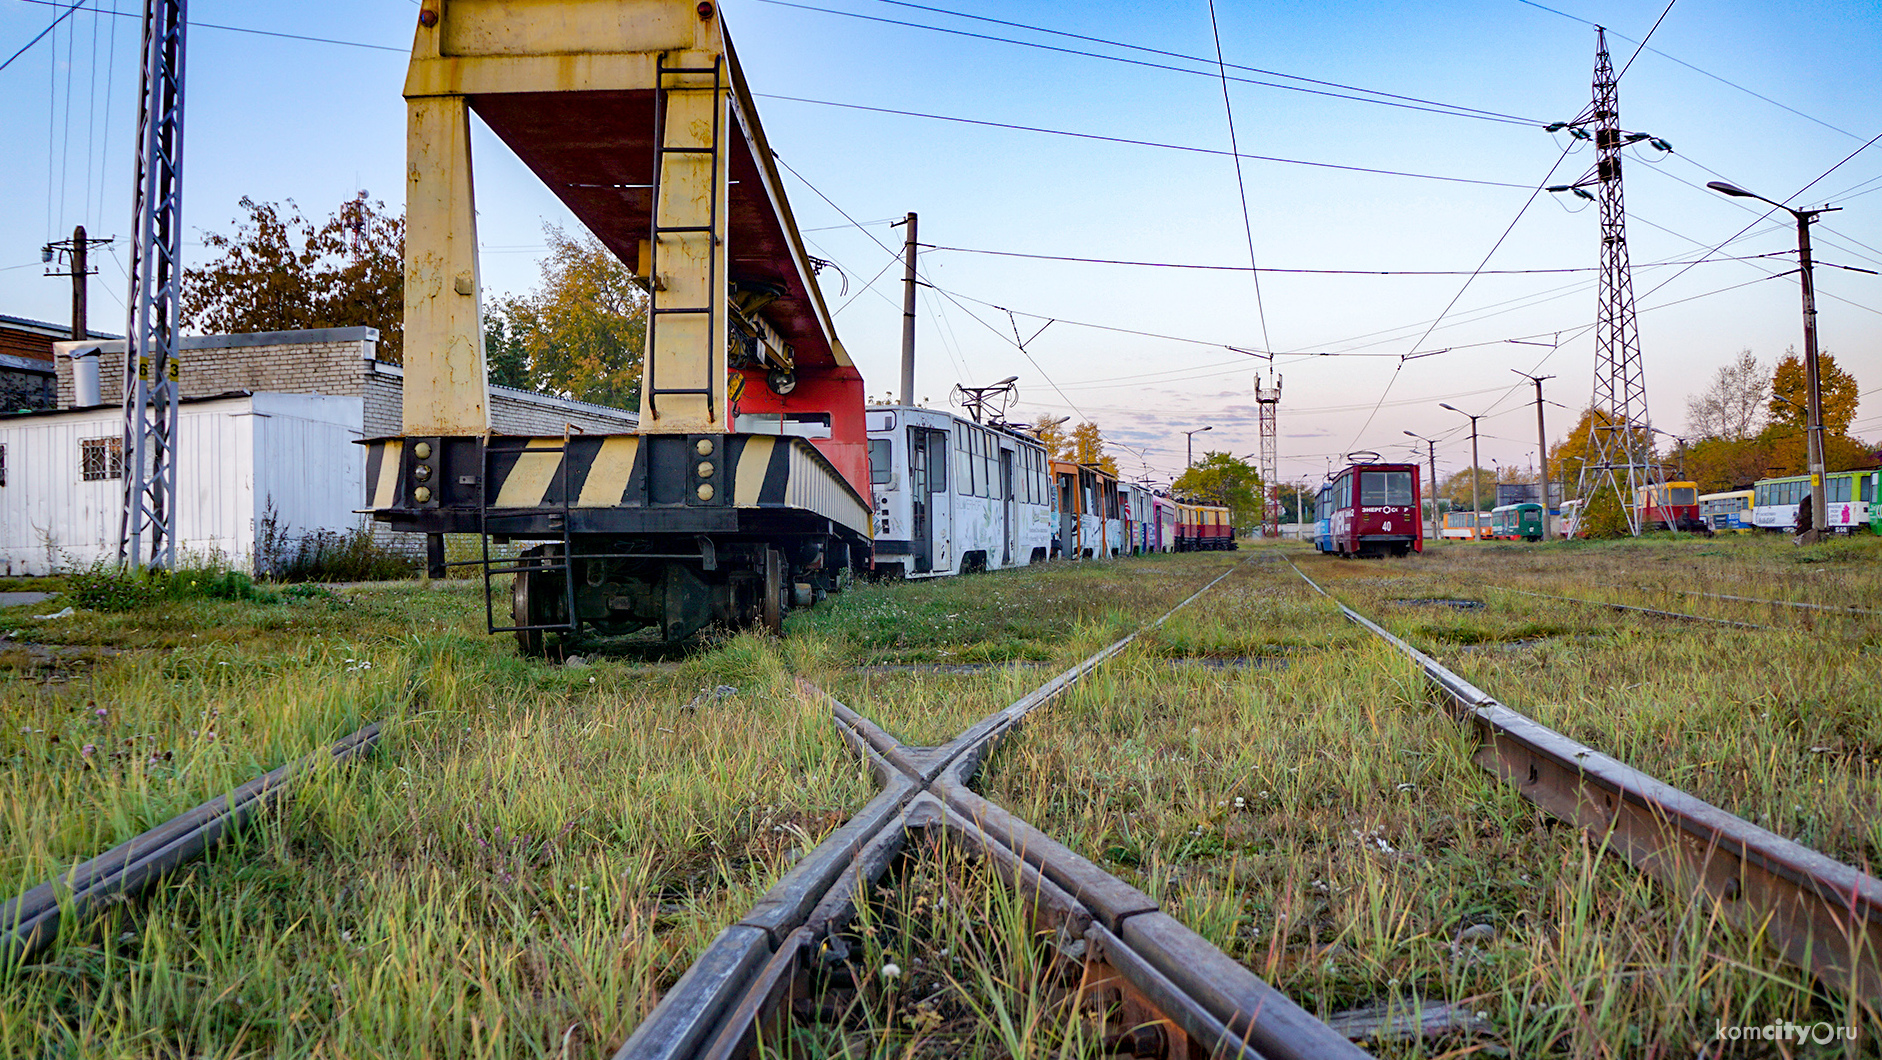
(31, 922)
(1166, 991)
(1818, 913)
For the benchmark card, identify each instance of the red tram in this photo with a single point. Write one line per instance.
(1374, 510)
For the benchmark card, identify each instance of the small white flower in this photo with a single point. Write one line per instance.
(891, 971)
(1240, 802)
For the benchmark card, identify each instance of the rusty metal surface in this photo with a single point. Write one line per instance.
(1819, 913)
(1175, 995)
(30, 922)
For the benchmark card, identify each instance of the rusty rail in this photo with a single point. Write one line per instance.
(1621, 607)
(1818, 913)
(1171, 992)
(30, 922)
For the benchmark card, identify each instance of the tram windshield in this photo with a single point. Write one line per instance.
(1385, 487)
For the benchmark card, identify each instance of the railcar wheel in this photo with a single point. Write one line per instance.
(774, 591)
(536, 600)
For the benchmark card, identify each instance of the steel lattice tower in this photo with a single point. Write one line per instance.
(1620, 452)
(1269, 399)
(147, 534)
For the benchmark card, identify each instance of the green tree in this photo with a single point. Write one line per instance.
(1088, 447)
(1219, 478)
(1456, 489)
(278, 271)
(582, 331)
(504, 355)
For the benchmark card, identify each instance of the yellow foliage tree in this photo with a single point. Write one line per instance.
(1051, 434)
(1088, 447)
(1790, 394)
(581, 333)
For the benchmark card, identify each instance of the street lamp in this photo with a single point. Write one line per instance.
(1189, 440)
(1814, 432)
(1431, 452)
(1476, 507)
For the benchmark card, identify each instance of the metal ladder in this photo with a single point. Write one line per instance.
(493, 566)
(714, 273)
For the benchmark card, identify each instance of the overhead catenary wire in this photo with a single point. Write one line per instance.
(64, 14)
(193, 24)
(1135, 142)
(1204, 267)
(1375, 96)
(1241, 185)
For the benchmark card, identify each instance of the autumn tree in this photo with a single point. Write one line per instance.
(278, 271)
(1088, 447)
(1051, 434)
(1219, 478)
(1605, 513)
(1456, 489)
(1790, 394)
(580, 334)
(1731, 407)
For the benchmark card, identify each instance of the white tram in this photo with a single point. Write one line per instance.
(953, 495)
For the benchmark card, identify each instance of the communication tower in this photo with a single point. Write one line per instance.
(1269, 400)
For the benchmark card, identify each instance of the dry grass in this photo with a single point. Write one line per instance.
(537, 851)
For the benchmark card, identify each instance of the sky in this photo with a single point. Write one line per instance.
(1757, 94)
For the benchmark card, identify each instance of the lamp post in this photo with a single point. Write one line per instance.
(1542, 445)
(1814, 432)
(1189, 440)
(1431, 452)
(1476, 506)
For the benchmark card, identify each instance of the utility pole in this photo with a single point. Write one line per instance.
(1806, 267)
(1542, 445)
(1619, 454)
(908, 312)
(1476, 504)
(1431, 453)
(1269, 400)
(74, 254)
(152, 338)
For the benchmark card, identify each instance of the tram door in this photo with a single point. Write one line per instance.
(1067, 517)
(1007, 501)
(928, 498)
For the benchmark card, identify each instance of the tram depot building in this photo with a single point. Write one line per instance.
(267, 438)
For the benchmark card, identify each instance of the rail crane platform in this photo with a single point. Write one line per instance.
(745, 490)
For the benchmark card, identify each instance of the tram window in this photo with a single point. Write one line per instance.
(1867, 481)
(1683, 496)
(938, 469)
(1385, 487)
(963, 482)
(879, 467)
(1838, 489)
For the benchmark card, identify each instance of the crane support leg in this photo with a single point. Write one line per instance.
(684, 391)
(445, 392)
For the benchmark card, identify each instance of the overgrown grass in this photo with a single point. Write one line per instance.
(537, 851)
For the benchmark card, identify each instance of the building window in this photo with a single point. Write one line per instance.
(3, 465)
(100, 458)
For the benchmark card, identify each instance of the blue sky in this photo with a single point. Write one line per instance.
(277, 118)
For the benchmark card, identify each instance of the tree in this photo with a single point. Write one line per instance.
(278, 271)
(1051, 434)
(1456, 489)
(504, 355)
(1088, 447)
(1790, 394)
(1219, 478)
(1732, 407)
(1605, 514)
(1718, 464)
(582, 331)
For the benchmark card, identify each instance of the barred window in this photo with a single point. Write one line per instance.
(100, 458)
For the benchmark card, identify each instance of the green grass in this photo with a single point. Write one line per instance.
(536, 852)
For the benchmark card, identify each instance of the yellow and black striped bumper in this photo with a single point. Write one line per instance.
(608, 484)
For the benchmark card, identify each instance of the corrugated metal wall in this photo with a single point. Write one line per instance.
(234, 455)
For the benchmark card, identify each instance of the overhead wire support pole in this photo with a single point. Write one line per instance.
(908, 312)
(1269, 400)
(1542, 445)
(147, 531)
